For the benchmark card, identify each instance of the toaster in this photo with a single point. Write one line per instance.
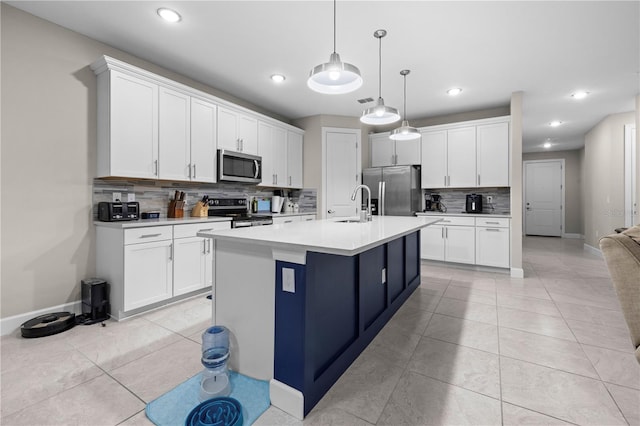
(474, 203)
(115, 211)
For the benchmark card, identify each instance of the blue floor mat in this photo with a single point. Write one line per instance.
(172, 408)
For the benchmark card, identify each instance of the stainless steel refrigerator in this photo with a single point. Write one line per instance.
(395, 190)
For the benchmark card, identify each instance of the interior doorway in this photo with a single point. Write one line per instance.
(544, 197)
(341, 169)
(630, 177)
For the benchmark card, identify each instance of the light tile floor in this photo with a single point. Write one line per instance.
(469, 347)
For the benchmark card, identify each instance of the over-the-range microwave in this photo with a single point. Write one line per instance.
(239, 167)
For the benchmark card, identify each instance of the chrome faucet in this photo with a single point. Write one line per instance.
(367, 218)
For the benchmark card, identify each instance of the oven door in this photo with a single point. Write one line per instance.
(239, 167)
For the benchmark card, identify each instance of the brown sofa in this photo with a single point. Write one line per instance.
(622, 255)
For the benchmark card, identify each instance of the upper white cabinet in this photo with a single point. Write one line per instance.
(174, 135)
(127, 126)
(294, 159)
(203, 140)
(281, 152)
(492, 144)
(387, 152)
(466, 155)
(237, 132)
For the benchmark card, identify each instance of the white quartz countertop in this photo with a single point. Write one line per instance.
(326, 236)
(462, 214)
(160, 222)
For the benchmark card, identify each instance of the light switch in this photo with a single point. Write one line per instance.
(288, 280)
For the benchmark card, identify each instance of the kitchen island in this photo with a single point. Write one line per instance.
(303, 300)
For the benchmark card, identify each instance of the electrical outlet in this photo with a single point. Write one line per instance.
(117, 196)
(489, 199)
(131, 196)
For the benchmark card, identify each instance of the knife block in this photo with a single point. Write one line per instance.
(176, 209)
(200, 210)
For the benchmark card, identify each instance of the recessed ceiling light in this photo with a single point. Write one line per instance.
(169, 15)
(555, 123)
(547, 145)
(278, 78)
(454, 91)
(579, 95)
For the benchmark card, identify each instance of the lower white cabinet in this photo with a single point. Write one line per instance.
(293, 219)
(148, 265)
(492, 242)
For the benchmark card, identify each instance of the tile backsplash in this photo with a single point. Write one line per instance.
(155, 196)
(455, 199)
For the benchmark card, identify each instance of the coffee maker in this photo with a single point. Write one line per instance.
(433, 203)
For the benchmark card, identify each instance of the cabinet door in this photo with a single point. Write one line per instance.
(407, 152)
(189, 264)
(203, 141)
(294, 159)
(460, 244)
(461, 157)
(266, 151)
(382, 150)
(174, 135)
(148, 273)
(280, 156)
(492, 247)
(248, 134)
(432, 242)
(492, 146)
(133, 125)
(433, 168)
(228, 130)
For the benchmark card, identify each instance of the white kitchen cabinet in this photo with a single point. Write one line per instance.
(294, 159)
(492, 144)
(307, 217)
(460, 244)
(492, 242)
(148, 269)
(127, 126)
(450, 240)
(461, 157)
(237, 132)
(433, 170)
(272, 147)
(387, 152)
(432, 242)
(174, 135)
(203, 141)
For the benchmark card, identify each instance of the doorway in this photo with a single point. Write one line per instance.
(544, 197)
(630, 173)
(341, 168)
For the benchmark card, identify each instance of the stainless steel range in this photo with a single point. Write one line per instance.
(237, 210)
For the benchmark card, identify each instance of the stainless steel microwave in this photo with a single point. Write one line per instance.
(239, 167)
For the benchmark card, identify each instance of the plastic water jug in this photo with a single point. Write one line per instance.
(215, 347)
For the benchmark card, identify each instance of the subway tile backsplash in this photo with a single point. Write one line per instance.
(155, 196)
(455, 199)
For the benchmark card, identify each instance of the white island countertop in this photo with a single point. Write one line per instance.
(326, 236)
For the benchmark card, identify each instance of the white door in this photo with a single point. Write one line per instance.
(630, 175)
(248, 134)
(382, 150)
(280, 156)
(460, 244)
(433, 170)
(228, 130)
(408, 152)
(294, 159)
(543, 198)
(492, 145)
(461, 158)
(492, 247)
(266, 151)
(342, 171)
(174, 135)
(189, 270)
(148, 272)
(203, 141)
(432, 242)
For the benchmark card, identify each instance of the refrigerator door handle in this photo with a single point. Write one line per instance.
(383, 196)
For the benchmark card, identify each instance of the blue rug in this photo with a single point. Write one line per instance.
(172, 408)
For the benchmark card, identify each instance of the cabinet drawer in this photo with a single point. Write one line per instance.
(307, 217)
(284, 220)
(148, 234)
(457, 221)
(492, 222)
(192, 229)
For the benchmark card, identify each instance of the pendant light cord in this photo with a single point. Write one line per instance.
(405, 97)
(380, 68)
(334, 26)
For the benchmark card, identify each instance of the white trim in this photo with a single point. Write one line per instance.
(593, 250)
(517, 272)
(630, 173)
(572, 235)
(10, 324)
(524, 192)
(481, 121)
(286, 398)
(299, 257)
(325, 130)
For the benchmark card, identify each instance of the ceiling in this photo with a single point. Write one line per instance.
(548, 50)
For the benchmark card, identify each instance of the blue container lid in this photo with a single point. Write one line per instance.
(220, 411)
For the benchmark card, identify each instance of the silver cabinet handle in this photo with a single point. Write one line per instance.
(445, 181)
(205, 230)
(288, 221)
(445, 221)
(194, 171)
(442, 232)
(493, 223)
(446, 232)
(150, 235)
(492, 229)
(209, 245)
(171, 251)
(155, 167)
(204, 245)
(289, 180)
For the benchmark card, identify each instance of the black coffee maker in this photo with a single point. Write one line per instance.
(436, 203)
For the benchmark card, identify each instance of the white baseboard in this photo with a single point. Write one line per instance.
(10, 324)
(517, 272)
(593, 250)
(286, 398)
(575, 236)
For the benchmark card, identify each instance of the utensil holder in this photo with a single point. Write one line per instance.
(176, 209)
(200, 210)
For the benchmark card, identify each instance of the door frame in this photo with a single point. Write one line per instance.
(630, 174)
(563, 209)
(325, 131)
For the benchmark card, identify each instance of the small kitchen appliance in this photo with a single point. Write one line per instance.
(474, 203)
(237, 209)
(95, 300)
(239, 167)
(117, 211)
(436, 203)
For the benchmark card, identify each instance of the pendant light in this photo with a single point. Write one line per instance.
(334, 77)
(405, 132)
(380, 113)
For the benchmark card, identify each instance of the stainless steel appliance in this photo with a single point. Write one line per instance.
(395, 190)
(237, 210)
(474, 203)
(239, 167)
